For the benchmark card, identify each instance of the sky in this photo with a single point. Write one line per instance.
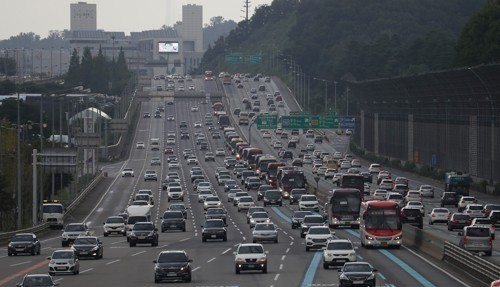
(42, 16)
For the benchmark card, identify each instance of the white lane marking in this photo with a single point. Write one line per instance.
(287, 250)
(281, 266)
(284, 232)
(437, 267)
(20, 263)
(185, 239)
(244, 238)
(163, 246)
(283, 258)
(276, 277)
(85, 271)
(226, 251)
(291, 243)
(196, 268)
(140, 252)
(100, 209)
(117, 242)
(291, 239)
(211, 260)
(114, 261)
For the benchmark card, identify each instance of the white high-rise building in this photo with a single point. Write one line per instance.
(191, 28)
(83, 17)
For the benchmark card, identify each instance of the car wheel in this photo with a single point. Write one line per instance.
(51, 273)
(203, 239)
(276, 240)
(40, 250)
(33, 251)
(264, 270)
(430, 222)
(307, 248)
(105, 234)
(157, 280)
(449, 228)
(325, 265)
(132, 244)
(237, 270)
(184, 229)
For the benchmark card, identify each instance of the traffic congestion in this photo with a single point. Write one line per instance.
(206, 198)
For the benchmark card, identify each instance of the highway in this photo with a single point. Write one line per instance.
(213, 261)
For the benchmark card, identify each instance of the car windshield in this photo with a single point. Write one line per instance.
(313, 219)
(140, 202)
(52, 209)
(308, 198)
(475, 207)
(357, 268)
(319, 231)
(21, 238)
(478, 232)
(115, 220)
(259, 215)
(38, 281)
(172, 257)
(62, 255)
(214, 224)
(212, 199)
(265, 227)
(246, 199)
(172, 215)
(204, 192)
(441, 211)
(145, 227)
(85, 241)
(215, 211)
(250, 249)
(301, 214)
(74, 227)
(177, 207)
(461, 216)
(339, 246)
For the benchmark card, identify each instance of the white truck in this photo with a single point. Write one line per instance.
(53, 213)
(243, 118)
(137, 213)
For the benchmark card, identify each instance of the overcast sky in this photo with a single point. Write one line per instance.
(41, 16)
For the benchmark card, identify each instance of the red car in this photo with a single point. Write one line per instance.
(168, 150)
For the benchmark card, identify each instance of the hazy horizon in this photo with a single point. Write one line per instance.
(134, 16)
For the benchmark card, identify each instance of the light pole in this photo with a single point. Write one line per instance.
(335, 97)
(326, 91)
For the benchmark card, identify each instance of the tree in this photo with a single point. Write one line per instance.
(480, 39)
(100, 73)
(74, 72)
(86, 67)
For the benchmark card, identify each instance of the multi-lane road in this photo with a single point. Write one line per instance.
(213, 262)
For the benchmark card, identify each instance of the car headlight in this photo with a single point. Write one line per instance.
(262, 259)
(268, 220)
(240, 260)
(398, 237)
(369, 237)
(343, 277)
(95, 248)
(371, 276)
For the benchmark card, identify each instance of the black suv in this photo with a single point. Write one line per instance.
(216, 213)
(214, 229)
(273, 197)
(310, 220)
(183, 125)
(412, 216)
(172, 265)
(88, 246)
(298, 217)
(144, 232)
(318, 139)
(24, 243)
(295, 195)
(354, 273)
(262, 189)
(449, 198)
(184, 134)
(173, 219)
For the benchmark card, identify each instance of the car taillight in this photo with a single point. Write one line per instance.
(465, 239)
(433, 215)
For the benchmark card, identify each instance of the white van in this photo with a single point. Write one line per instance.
(155, 144)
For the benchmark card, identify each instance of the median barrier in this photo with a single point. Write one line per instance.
(424, 241)
(473, 264)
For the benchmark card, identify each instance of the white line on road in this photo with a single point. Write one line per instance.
(121, 241)
(287, 250)
(291, 243)
(211, 260)
(161, 247)
(226, 251)
(20, 263)
(85, 271)
(196, 268)
(135, 254)
(114, 261)
(291, 237)
(281, 266)
(184, 239)
(276, 277)
(283, 257)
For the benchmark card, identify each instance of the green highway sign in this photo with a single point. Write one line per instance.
(234, 58)
(254, 59)
(267, 122)
(309, 122)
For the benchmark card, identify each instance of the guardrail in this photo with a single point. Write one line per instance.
(41, 228)
(478, 267)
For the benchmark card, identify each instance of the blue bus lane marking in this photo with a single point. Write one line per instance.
(315, 261)
(421, 279)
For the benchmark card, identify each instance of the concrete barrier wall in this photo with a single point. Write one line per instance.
(423, 240)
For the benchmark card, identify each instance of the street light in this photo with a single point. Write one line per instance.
(326, 92)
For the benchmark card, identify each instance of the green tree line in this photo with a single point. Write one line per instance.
(97, 73)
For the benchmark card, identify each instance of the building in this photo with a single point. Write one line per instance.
(166, 51)
(83, 17)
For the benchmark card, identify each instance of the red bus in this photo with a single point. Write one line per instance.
(290, 179)
(217, 107)
(342, 207)
(262, 164)
(272, 172)
(352, 181)
(250, 154)
(223, 121)
(380, 224)
(209, 76)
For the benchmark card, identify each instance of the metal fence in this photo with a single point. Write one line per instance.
(449, 120)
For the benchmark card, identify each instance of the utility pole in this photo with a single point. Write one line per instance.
(19, 201)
